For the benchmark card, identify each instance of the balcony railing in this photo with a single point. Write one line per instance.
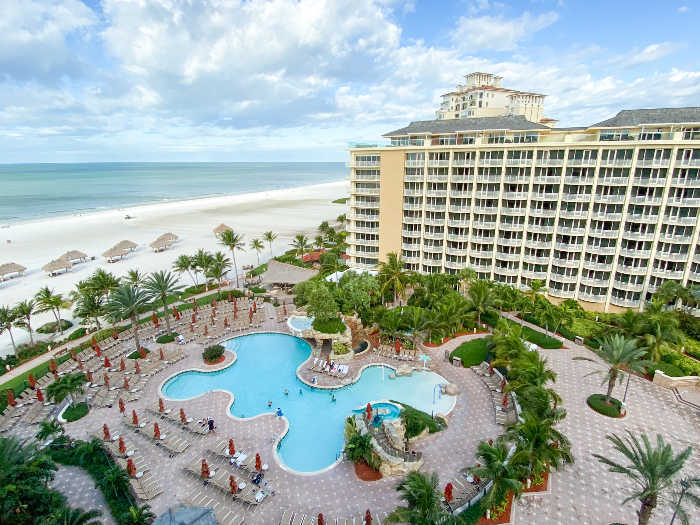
(643, 217)
(437, 178)
(363, 176)
(564, 294)
(566, 263)
(597, 266)
(627, 303)
(365, 191)
(514, 195)
(581, 162)
(625, 163)
(610, 198)
(508, 256)
(614, 181)
(509, 242)
(463, 162)
(363, 164)
(672, 256)
(576, 197)
(567, 230)
(411, 233)
(644, 199)
(540, 212)
(414, 178)
(412, 163)
(606, 234)
(518, 162)
(563, 278)
(536, 260)
(438, 163)
(455, 223)
(573, 214)
(549, 162)
(602, 250)
(684, 201)
(491, 162)
(362, 229)
(458, 177)
(650, 181)
(632, 270)
(653, 163)
(435, 207)
(688, 163)
(436, 193)
(511, 227)
(412, 192)
(686, 182)
(591, 297)
(627, 252)
(513, 212)
(487, 194)
(638, 236)
(568, 247)
(540, 228)
(675, 219)
(578, 180)
(435, 222)
(668, 274)
(631, 287)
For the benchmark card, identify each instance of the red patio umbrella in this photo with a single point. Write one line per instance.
(88, 374)
(232, 484)
(107, 363)
(122, 365)
(39, 395)
(397, 346)
(194, 302)
(156, 431)
(183, 417)
(106, 378)
(206, 329)
(368, 411)
(154, 318)
(122, 446)
(98, 351)
(250, 315)
(105, 432)
(205, 469)
(126, 384)
(52, 365)
(122, 406)
(321, 520)
(143, 352)
(32, 381)
(80, 364)
(226, 322)
(130, 468)
(72, 353)
(448, 492)
(505, 400)
(368, 517)
(194, 319)
(115, 334)
(134, 417)
(255, 307)
(231, 448)
(161, 354)
(235, 306)
(137, 367)
(161, 405)
(258, 462)
(176, 312)
(284, 309)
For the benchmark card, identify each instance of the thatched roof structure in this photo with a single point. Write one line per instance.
(126, 245)
(57, 265)
(74, 255)
(221, 228)
(115, 252)
(170, 237)
(283, 273)
(11, 267)
(160, 245)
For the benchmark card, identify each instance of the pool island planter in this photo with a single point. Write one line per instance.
(221, 359)
(503, 518)
(366, 473)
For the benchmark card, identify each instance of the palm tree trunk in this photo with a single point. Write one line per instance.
(235, 266)
(12, 339)
(29, 327)
(166, 315)
(611, 385)
(648, 505)
(135, 324)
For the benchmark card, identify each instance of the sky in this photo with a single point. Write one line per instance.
(299, 80)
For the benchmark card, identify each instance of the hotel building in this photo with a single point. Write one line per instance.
(602, 214)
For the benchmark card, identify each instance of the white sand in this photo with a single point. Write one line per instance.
(34, 243)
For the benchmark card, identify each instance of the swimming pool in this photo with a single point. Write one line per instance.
(266, 366)
(299, 323)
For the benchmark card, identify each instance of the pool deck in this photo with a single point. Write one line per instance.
(583, 493)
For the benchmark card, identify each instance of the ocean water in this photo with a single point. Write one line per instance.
(36, 191)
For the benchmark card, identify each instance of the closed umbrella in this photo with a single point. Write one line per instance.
(213, 302)
(106, 378)
(107, 362)
(88, 374)
(255, 307)
(122, 365)
(134, 417)
(154, 318)
(232, 484)
(105, 431)
(39, 395)
(368, 411)
(80, 364)
(448, 492)
(183, 417)
(258, 462)
(161, 354)
(368, 517)
(205, 469)
(122, 407)
(161, 405)
(143, 352)
(52, 365)
(72, 353)
(32, 381)
(206, 329)
(194, 319)
(321, 520)
(156, 431)
(98, 352)
(122, 446)
(231, 448)
(126, 384)
(137, 367)
(130, 468)
(226, 322)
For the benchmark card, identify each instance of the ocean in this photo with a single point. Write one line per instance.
(37, 191)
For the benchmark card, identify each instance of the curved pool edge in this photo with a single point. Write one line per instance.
(214, 368)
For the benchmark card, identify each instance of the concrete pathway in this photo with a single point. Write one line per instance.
(80, 490)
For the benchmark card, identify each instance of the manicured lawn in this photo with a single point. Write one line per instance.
(416, 421)
(166, 338)
(472, 352)
(75, 412)
(334, 326)
(597, 403)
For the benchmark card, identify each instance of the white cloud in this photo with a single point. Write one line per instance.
(499, 33)
(652, 53)
(683, 9)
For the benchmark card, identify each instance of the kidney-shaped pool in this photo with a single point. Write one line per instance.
(266, 367)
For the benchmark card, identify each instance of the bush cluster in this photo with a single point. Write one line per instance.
(416, 421)
(598, 403)
(165, 338)
(75, 412)
(213, 353)
(332, 326)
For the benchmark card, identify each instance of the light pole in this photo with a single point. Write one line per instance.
(684, 486)
(624, 398)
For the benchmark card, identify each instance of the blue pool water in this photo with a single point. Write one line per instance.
(383, 411)
(300, 323)
(266, 366)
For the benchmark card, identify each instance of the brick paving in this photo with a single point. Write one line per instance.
(584, 493)
(81, 492)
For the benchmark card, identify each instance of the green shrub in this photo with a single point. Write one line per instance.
(257, 289)
(165, 338)
(77, 334)
(75, 412)
(598, 403)
(416, 421)
(340, 348)
(540, 339)
(50, 328)
(195, 290)
(342, 200)
(689, 324)
(472, 352)
(213, 353)
(258, 270)
(137, 354)
(291, 258)
(669, 369)
(332, 326)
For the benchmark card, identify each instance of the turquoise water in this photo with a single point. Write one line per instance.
(383, 411)
(266, 366)
(300, 323)
(89, 187)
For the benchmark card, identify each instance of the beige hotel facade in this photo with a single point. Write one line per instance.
(602, 214)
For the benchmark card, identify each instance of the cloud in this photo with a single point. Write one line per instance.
(683, 9)
(499, 33)
(652, 53)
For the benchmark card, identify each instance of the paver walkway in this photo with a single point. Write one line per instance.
(81, 492)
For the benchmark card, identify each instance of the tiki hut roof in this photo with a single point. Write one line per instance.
(221, 228)
(115, 252)
(126, 245)
(170, 237)
(160, 244)
(283, 273)
(56, 265)
(74, 255)
(11, 268)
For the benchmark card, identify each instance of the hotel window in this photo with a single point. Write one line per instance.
(448, 140)
(615, 134)
(525, 137)
(691, 133)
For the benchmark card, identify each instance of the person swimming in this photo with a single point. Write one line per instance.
(301, 392)
(269, 404)
(286, 392)
(332, 398)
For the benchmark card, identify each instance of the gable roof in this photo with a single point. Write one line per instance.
(638, 117)
(422, 127)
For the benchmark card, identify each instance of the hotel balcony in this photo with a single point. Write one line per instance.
(532, 259)
(569, 247)
(362, 229)
(512, 227)
(437, 178)
(627, 286)
(508, 242)
(506, 271)
(562, 278)
(567, 230)
(485, 209)
(513, 212)
(438, 163)
(363, 176)
(436, 236)
(434, 222)
(579, 180)
(414, 178)
(353, 252)
(687, 221)
(435, 193)
(611, 199)
(646, 218)
(672, 256)
(487, 194)
(538, 244)
(411, 163)
(539, 212)
(436, 207)
(412, 206)
(517, 179)
(364, 242)
(365, 191)
(519, 162)
(576, 197)
(598, 283)
(457, 238)
(433, 249)
(456, 251)
(632, 270)
(563, 294)
(649, 181)
(626, 303)
(573, 214)
(605, 234)
(684, 201)
(411, 233)
(460, 194)
(547, 179)
(488, 178)
(365, 204)
(688, 163)
(653, 163)
(454, 223)
(482, 253)
(459, 163)
(591, 297)
(614, 181)
(358, 216)
(363, 164)
(638, 236)
(490, 162)
(539, 228)
(413, 220)
(412, 192)
(462, 178)
(644, 199)
(667, 274)
(601, 250)
(626, 252)
(581, 162)
(459, 209)
(508, 256)
(489, 239)
(490, 225)
(679, 239)
(549, 162)
(597, 266)
(566, 263)
(410, 259)
(455, 265)
(686, 182)
(411, 247)
(618, 163)
(530, 274)
(514, 195)
(606, 216)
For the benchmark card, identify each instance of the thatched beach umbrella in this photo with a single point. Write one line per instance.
(160, 244)
(10, 268)
(170, 237)
(56, 266)
(115, 253)
(74, 255)
(126, 245)
(221, 228)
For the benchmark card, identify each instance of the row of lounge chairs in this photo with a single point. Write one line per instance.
(168, 439)
(334, 369)
(300, 518)
(248, 493)
(464, 489)
(223, 515)
(495, 383)
(173, 416)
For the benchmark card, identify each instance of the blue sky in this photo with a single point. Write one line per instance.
(189, 80)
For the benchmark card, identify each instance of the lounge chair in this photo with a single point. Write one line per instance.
(286, 518)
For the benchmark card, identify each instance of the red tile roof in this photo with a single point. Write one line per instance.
(313, 256)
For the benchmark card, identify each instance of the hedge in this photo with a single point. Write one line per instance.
(77, 334)
(166, 338)
(540, 339)
(332, 326)
(669, 369)
(472, 352)
(213, 353)
(598, 403)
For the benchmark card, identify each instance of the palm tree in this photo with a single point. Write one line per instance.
(134, 277)
(481, 298)
(218, 268)
(534, 289)
(89, 305)
(659, 338)
(200, 262)
(48, 429)
(22, 456)
(24, 311)
(65, 386)
(269, 237)
(49, 301)
(423, 506)
(300, 244)
(103, 282)
(233, 241)
(342, 218)
(497, 467)
(90, 452)
(650, 468)
(466, 276)
(318, 241)
(632, 323)
(73, 516)
(258, 246)
(684, 493)
(506, 343)
(7, 319)
(417, 321)
(184, 264)
(127, 302)
(160, 285)
(619, 353)
(392, 276)
(138, 515)
(114, 480)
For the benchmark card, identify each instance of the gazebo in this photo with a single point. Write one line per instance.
(284, 274)
(57, 266)
(221, 228)
(10, 269)
(74, 255)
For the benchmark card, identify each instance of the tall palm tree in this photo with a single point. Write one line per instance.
(160, 285)
(65, 386)
(536, 286)
(49, 301)
(466, 276)
(481, 297)
(218, 268)
(632, 323)
(89, 305)
(658, 340)
(258, 246)
(342, 218)
(134, 277)
(74, 516)
(7, 319)
(126, 302)
(497, 467)
(683, 495)
(423, 507)
(103, 282)
(24, 311)
(300, 244)
(90, 452)
(114, 480)
(619, 353)
(48, 429)
(269, 237)
(138, 515)
(318, 241)
(183, 264)
(201, 261)
(233, 241)
(392, 276)
(417, 320)
(506, 343)
(652, 469)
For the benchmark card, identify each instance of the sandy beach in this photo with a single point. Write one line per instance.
(34, 243)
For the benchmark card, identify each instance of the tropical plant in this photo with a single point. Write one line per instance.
(258, 246)
(49, 301)
(534, 289)
(233, 241)
(90, 452)
(422, 498)
(138, 515)
(48, 429)
(114, 480)
(183, 264)
(506, 343)
(134, 277)
(158, 286)
(269, 237)
(497, 466)
(89, 306)
(683, 495)
(359, 449)
(24, 311)
(342, 218)
(357, 292)
(650, 468)
(417, 321)
(619, 353)
(300, 244)
(200, 262)
(218, 267)
(102, 282)
(392, 276)
(390, 323)
(126, 302)
(65, 386)
(7, 320)
(321, 303)
(481, 298)
(73, 516)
